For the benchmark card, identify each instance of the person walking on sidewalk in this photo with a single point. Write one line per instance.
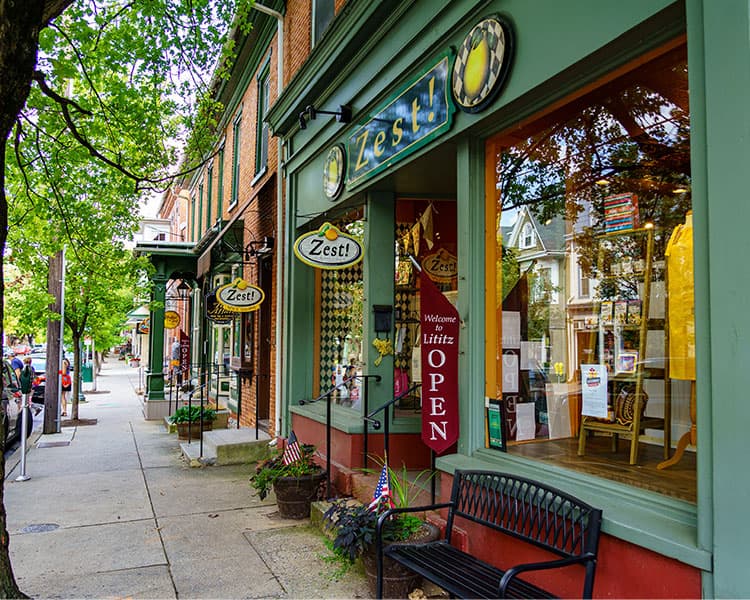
(67, 382)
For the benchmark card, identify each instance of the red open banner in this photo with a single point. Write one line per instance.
(440, 326)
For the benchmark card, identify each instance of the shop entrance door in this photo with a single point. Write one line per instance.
(263, 372)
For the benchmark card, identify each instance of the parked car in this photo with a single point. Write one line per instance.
(39, 362)
(11, 406)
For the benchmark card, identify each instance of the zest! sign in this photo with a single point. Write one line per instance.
(328, 248)
(240, 296)
(420, 112)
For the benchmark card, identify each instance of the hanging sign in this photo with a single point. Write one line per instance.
(143, 327)
(184, 352)
(439, 323)
(171, 319)
(328, 248)
(240, 296)
(482, 64)
(419, 113)
(441, 265)
(216, 312)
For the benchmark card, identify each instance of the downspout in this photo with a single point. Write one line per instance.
(281, 248)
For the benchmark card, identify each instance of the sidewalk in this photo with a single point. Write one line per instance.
(113, 511)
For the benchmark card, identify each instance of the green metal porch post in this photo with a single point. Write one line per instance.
(155, 373)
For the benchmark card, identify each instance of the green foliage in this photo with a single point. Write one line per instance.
(267, 472)
(354, 526)
(192, 414)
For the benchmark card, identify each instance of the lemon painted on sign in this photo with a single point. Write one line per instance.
(482, 64)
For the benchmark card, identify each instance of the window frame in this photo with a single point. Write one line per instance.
(236, 149)
(262, 137)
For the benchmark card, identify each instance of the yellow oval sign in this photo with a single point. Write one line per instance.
(171, 319)
(240, 296)
(328, 248)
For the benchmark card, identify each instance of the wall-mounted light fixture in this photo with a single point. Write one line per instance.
(258, 248)
(343, 115)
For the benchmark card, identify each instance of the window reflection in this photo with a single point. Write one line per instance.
(591, 203)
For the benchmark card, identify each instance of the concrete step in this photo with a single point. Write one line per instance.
(227, 447)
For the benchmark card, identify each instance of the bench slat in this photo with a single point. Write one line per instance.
(458, 573)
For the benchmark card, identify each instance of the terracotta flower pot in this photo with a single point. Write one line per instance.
(398, 581)
(295, 494)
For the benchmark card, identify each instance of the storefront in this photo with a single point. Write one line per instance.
(567, 173)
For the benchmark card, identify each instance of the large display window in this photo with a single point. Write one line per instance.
(590, 235)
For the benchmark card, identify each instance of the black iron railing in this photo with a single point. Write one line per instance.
(388, 415)
(328, 397)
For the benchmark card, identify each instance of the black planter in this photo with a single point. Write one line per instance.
(295, 494)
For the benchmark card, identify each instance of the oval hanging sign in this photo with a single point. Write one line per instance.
(171, 319)
(240, 296)
(328, 248)
(441, 266)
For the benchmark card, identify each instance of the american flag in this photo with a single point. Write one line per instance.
(291, 452)
(382, 493)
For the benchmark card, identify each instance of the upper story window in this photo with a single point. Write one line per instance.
(264, 101)
(323, 12)
(236, 147)
(220, 185)
(209, 192)
(527, 236)
(200, 209)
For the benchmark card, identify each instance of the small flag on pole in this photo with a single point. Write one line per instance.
(382, 493)
(291, 452)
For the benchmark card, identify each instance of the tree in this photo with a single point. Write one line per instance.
(91, 83)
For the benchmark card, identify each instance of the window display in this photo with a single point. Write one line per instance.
(586, 201)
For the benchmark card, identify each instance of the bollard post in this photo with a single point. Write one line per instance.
(24, 427)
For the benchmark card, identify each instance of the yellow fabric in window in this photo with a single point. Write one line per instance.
(680, 295)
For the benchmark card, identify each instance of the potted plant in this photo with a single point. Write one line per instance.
(295, 484)
(188, 419)
(353, 525)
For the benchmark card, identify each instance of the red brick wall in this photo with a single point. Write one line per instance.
(297, 36)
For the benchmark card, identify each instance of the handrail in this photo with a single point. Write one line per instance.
(376, 423)
(368, 419)
(327, 395)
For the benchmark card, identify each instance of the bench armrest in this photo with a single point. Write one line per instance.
(511, 573)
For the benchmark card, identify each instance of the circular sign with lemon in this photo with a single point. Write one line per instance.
(333, 173)
(171, 319)
(482, 64)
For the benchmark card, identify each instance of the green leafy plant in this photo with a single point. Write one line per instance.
(272, 469)
(192, 414)
(353, 523)
(354, 526)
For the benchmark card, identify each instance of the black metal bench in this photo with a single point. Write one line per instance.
(525, 509)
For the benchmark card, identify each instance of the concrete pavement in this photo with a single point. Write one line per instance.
(112, 510)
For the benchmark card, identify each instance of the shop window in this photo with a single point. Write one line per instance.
(604, 185)
(341, 322)
(323, 12)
